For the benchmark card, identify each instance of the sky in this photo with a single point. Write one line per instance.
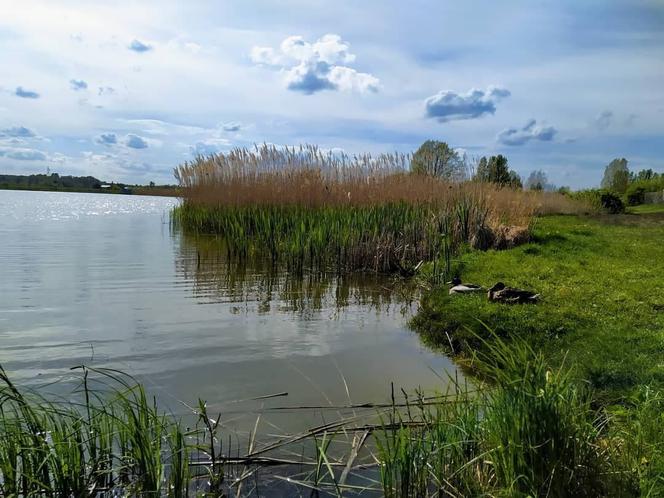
(127, 90)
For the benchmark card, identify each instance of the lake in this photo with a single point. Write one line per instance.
(102, 280)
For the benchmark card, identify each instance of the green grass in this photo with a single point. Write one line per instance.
(646, 208)
(535, 431)
(602, 286)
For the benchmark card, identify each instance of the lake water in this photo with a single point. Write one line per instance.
(101, 280)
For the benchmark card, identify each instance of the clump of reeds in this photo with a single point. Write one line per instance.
(311, 209)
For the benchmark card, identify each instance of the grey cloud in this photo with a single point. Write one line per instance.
(514, 136)
(231, 126)
(26, 94)
(105, 90)
(23, 154)
(604, 120)
(107, 139)
(450, 106)
(139, 46)
(499, 92)
(310, 78)
(135, 142)
(17, 132)
(78, 85)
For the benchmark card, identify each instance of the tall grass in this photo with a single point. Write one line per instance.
(524, 430)
(108, 439)
(532, 431)
(305, 208)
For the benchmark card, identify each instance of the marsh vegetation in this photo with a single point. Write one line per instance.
(308, 209)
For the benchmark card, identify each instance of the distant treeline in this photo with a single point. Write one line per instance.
(50, 181)
(55, 182)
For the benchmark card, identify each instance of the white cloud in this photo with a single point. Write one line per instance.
(265, 56)
(311, 67)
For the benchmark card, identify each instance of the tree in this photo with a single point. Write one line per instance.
(495, 170)
(537, 180)
(616, 176)
(515, 180)
(644, 175)
(438, 159)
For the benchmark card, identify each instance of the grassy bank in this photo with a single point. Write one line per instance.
(602, 286)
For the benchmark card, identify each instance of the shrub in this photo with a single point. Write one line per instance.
(635, 195)
(611, 202)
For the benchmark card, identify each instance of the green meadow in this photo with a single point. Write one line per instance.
(602, 309)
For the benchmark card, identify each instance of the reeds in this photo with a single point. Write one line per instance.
(525, 430)
(109, 439)
(307, 209)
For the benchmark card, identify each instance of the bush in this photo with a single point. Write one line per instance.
(600, 200)
(635, 195)
(612, 202)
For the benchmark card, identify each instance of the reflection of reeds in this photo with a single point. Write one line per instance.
(307, 209)
(216, 277)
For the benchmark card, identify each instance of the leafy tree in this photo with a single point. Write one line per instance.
(644, 175)
(537, 180)
(495, 170)
(438, 159)
(616, 176)
(515, 180)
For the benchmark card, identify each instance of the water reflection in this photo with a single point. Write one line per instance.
(259, 287)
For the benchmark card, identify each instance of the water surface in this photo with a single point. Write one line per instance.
(101, 280)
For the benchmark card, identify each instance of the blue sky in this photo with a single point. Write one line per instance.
(126, 90)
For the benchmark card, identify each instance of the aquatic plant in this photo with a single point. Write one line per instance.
(110, 438)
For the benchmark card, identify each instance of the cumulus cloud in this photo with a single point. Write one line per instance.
(135, 142)
(26, 94)
(23, 154)
(531, 131)
(311, 67)
(232, 126)
(78, 85)
(107, 139)
(17, 132)
(447, 105)
(139, 46)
